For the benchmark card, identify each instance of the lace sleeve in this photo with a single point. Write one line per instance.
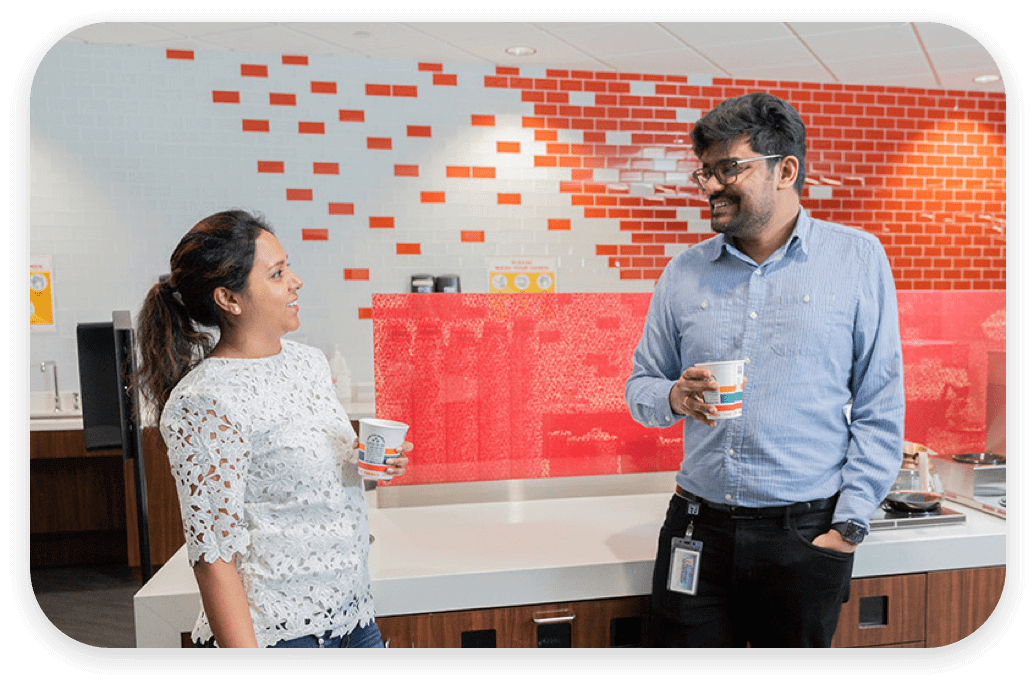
(208, 458)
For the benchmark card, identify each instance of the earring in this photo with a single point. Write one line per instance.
(237, 310)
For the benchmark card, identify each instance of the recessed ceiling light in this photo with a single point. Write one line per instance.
(520, 51)
(987, 78)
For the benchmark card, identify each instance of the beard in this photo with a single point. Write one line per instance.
(739, 219)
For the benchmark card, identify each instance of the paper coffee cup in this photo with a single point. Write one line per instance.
(379, 439)
(730, 375)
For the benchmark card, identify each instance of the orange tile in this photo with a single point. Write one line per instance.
(254, 70)
(340, 208)
(325, 167)
(408, 248)
(381, 222)
(316, 127)
(323, 87)
(433, 196)
(508, 146)
(179, 54)
(483, 120)
(356, 274)
(444, 79)
(261, 125)
(483, 172)
(458, 172)
(314, 234)
(299, 194)
(301, 60)
(508, 198)
(365, 313)
(559, 224)
(226, 96)
(406, 170)
(378, 89)
(404, 91)
(429, 66)
(350, 115)
(419, 131)
(270, 167)
(379, 143)
(472, 236)
(282, 99)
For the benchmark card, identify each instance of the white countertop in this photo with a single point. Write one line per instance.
(74, 422)
(434, 558)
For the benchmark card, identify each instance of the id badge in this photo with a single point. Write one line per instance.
(684, 563)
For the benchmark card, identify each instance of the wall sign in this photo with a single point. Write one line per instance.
(41, 293)
(522, 274)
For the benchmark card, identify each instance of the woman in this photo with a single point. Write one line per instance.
(273, 508)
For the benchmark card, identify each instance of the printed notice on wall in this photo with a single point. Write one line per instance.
(41, 294)
(522, 274)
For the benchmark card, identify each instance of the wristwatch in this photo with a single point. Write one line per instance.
(850, 531)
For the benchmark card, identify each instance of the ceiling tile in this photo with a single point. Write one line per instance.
(120, 33)
(769, 53)
(706, 34)
(608, 39)
(864, 43)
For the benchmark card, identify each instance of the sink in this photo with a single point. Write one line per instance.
(41, 405)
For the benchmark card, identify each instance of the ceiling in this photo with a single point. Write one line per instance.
(924, 55)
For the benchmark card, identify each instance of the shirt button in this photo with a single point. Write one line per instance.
(731, 452)
(704, 305)
(758, 272)
(728, 497)
(752, 315)
(805, 298)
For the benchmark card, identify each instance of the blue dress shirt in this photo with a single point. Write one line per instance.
(818, 325)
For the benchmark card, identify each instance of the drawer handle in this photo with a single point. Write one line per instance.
(553, 620)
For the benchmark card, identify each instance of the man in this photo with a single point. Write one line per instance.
(758, 542)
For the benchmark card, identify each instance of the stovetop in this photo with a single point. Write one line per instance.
(883, 519)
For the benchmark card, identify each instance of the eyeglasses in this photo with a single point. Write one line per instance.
(725, 171)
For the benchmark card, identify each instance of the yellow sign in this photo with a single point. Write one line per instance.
(522, 274)
(41, 293)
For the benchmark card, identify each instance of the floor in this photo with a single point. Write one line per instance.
(93, 605)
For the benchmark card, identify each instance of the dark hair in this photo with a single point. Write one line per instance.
(218, 251)
(772, 125)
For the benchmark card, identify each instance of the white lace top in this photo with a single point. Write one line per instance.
(261, 451)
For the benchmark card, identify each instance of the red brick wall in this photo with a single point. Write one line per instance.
(923, 170)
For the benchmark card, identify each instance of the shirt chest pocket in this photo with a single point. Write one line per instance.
(803, 323)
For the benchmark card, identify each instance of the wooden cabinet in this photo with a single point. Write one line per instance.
(883, 611)
(902, 611)
(613, 622)
(960, 601)
(82, 504)
(919, 610)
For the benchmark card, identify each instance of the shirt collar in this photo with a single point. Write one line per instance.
(799, 236)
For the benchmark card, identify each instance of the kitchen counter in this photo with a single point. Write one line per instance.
(74, 422)
(465, 555)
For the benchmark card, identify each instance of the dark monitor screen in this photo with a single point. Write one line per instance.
(99, 386)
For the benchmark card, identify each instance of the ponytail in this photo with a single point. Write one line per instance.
(170, 344)
(171, 329)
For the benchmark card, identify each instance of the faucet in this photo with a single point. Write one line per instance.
(57, 393)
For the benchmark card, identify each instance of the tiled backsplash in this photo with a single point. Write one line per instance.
(528, 386)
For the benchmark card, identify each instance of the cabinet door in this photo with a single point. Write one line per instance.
(883, 611)
(960, 601)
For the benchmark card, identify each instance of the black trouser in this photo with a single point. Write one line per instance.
(762, 582)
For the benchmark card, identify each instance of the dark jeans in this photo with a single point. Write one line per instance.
(761, 582)
(368, 636)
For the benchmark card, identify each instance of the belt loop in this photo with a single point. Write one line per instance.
(787, 518)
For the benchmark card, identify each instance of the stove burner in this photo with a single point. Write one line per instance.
(980, 458)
